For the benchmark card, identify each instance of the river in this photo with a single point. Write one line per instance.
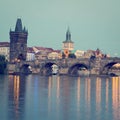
(36, 97)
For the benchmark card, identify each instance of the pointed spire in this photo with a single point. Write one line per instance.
(18, 27)
(27, 30)
(68, 30)
(68, 35)
(24, 30)
(10, 29)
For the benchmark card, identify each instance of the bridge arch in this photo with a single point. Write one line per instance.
(73, 70)
(25, 69)
(47, 68)
(109, 65)
(109, 69)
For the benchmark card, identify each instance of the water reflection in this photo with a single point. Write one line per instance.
(85, 95)
(78, 92)
(59, 97)
(116, 97)
(3, 97)
(16, 87)
(16, 91)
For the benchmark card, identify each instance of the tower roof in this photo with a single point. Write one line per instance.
(68, 31)
(18, 27)
(68, 36)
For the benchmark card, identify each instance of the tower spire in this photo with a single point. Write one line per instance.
(68, 35)
(18, 27)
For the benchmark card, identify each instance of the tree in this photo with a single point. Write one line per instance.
(63, 55)
(3, 64)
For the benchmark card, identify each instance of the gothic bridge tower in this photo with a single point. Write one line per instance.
(18, 42)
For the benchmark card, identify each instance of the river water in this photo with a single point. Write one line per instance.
(36, 97)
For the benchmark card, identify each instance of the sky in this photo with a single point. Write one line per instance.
(93, 23)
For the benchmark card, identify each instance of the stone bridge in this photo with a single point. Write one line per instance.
(96, 66)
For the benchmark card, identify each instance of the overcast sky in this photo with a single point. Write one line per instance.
(93, 23)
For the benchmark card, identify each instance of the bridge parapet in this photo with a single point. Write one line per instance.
(96, 66)
(66, 62)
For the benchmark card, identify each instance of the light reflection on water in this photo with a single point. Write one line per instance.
(59, 98)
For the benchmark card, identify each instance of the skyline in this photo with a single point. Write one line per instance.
(93, 24)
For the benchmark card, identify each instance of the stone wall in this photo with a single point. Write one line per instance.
(11, 68)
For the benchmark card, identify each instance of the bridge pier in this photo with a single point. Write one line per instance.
(63, 71)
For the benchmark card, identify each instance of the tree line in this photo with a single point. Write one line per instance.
(3, 64)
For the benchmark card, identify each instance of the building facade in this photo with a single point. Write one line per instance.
(79, 53)
(30, 54)
(41, 53)
(18, 42)
(56, 54)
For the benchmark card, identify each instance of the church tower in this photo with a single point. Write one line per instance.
(68, 45)
(18, 42)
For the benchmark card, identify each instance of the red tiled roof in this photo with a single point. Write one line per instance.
(58, 51)
(30, 50)
(4, 44)
(40, 48)
(43, 48)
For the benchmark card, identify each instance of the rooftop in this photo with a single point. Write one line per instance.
(4, 44)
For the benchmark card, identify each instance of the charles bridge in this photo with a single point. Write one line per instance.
(69, 66)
